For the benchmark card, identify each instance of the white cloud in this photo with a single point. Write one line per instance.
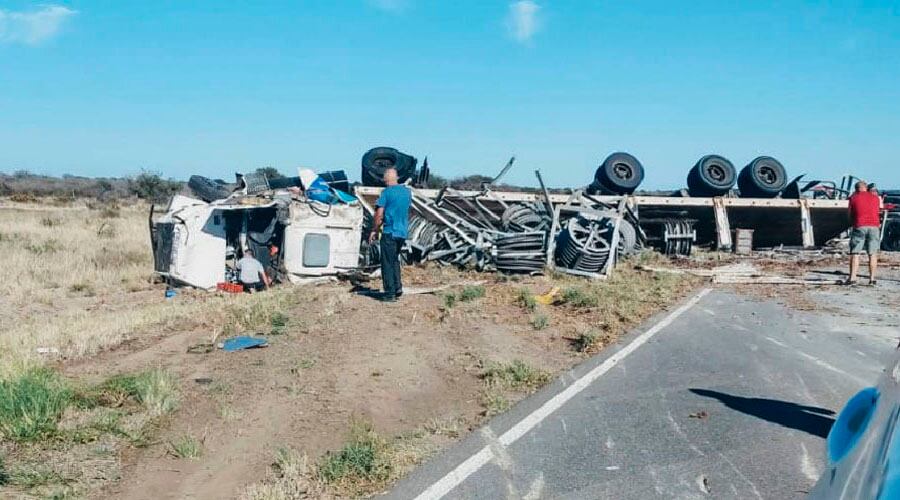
(390, 5)
(522, 20)
(33, 27)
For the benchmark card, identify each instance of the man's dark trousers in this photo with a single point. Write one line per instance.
(390, 265)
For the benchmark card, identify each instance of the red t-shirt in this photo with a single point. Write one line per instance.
(864, 210)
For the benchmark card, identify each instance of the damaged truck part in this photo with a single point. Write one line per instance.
(196, 243)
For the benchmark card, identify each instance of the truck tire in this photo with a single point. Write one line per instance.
(627, 238)
(377, 160)
(207, 189)
(712, 175)
(891, 241)
(620, 173)
(764, 177)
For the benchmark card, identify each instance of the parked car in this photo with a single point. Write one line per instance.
(863, 446)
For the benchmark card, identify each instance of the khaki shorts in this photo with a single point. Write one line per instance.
(865, 239)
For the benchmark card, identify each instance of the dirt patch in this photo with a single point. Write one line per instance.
(341, 358)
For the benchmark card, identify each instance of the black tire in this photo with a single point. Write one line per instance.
(764, 177)
(627, 238)
(712, 175)
(207, 189)
(620, 173)
(377, 160)
(891, 241)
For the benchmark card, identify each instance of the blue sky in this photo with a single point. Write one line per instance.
(210, 87)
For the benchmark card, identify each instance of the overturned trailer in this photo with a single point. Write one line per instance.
(196, 243)
(804, 222)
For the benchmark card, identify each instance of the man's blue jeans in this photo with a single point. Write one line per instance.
(390, 265)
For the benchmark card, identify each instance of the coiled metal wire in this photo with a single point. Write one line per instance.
(584, 244)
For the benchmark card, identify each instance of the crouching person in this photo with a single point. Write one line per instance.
(253, 276)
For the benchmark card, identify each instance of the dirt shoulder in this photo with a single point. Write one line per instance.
(426, 370)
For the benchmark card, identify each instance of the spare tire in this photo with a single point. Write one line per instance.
(764, 177)
(207, 189)
(377, 160)
(620, 173)
(712, 175)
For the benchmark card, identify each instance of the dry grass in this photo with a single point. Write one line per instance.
(290, 477)
(85, 286)
(59, 248)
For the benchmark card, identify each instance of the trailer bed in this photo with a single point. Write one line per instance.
(804, 222)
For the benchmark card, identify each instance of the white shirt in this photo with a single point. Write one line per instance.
(250, 270)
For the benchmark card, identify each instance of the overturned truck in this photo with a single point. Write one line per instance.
(310, 226)
(196, 243)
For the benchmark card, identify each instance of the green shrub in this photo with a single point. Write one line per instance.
(155, 389)
(32, 476)
(279, 322)
(540, 321)
(526, 299)
(579, 298)
(31, 404)
(515, 375)
(270, 172)
(494, 403)
(187, 447)
(151, 186)
(471, 292)
(449, 300)
(585, 341)
(358, 459)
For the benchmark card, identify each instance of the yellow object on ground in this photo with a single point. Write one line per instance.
(547, 298)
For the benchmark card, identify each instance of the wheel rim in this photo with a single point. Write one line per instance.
(383, 162)
(716, 172)
(623, 171)
(767, 175)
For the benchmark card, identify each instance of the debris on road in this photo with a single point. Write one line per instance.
(742, 273)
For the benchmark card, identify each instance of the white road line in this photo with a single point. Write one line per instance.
(478, 460)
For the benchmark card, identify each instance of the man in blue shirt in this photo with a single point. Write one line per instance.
(391, 213)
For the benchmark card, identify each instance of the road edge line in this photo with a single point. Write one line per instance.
(472, 464)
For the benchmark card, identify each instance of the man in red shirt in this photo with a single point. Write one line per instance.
(866, 233)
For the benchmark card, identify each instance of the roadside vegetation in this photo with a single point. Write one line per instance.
(88, 288)
(365, 465)
(49, 425)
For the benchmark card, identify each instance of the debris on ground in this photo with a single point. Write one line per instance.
(242, 342)
(744, 273)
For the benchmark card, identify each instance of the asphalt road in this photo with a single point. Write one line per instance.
(728, 397)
